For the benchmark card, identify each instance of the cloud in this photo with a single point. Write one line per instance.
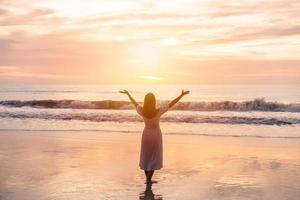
(13, 72)
(5, 69)
(49, 37)
(259, 33)
(29, 18)
(3, 12)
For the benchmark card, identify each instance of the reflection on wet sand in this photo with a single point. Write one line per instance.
(93, 165)
(149, 195)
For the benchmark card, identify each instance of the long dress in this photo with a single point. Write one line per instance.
(151, 156)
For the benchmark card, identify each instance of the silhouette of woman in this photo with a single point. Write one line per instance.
(151, 157)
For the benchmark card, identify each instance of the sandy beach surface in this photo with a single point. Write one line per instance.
(85, 165)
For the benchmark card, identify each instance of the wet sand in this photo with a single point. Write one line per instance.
(93, 165)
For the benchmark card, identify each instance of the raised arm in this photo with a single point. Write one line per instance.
(174, 101)
(130, 97)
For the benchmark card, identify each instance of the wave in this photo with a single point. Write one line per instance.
(252, 105)
(188, 117)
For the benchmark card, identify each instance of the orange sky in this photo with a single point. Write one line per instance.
(131, 41)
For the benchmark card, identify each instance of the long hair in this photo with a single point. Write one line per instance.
(149, 107)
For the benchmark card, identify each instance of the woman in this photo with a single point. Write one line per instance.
(151, 158)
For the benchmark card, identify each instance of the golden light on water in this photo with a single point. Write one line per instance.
(154, 78)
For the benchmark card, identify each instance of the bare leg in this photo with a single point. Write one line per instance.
(149, 176)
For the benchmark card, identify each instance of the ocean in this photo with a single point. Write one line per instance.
(266, 111)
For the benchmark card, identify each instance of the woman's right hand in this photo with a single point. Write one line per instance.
(124, 92)
(184, 92)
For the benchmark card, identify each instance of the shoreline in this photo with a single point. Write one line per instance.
(139, 132)
(93, 165)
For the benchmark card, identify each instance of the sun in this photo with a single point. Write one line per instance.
(146, 61)
(147, 55)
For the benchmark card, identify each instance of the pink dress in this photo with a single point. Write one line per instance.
(151, 156)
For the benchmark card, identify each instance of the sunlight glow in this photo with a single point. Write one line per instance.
(148, 53)
(147, 57)
(155, 78)
(195, 42)
(169, 41)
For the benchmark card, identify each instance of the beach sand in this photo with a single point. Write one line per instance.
(94, 165)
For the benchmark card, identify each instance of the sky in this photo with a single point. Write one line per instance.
(165, 42)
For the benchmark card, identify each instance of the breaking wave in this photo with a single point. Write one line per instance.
(253, 105)
(219, 117)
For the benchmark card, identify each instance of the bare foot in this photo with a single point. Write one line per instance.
(150, 182)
